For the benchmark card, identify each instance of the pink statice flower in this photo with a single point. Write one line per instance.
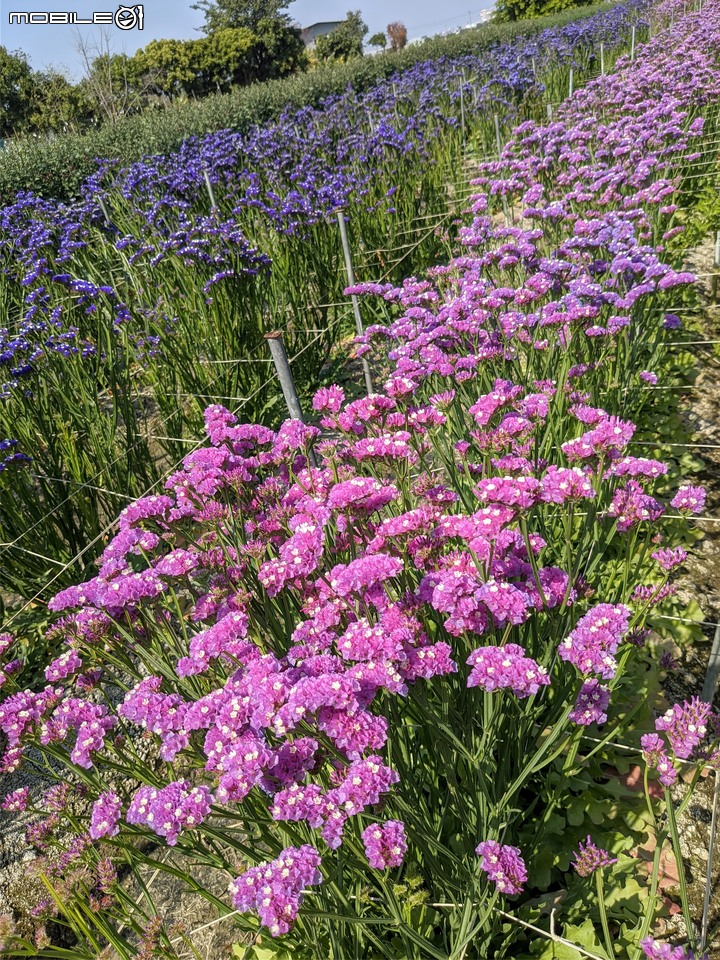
(592, 645)
(503, 865)
(636, 467)
(689, 499)
(655, 950)
(497, 668)
(105, 816)
(655, 756)
(329, 399)
(16, 801)
(64, 666)
(669, 559)
(649, 377)
(589, 858)
(385, 844)
(169, 810)
(511, 491)
(631, 505)
(566, 483)
(276, 889)
(685, 726)
(591, 704)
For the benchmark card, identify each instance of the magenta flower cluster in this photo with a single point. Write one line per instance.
(503, 865)
(385, 844)
(276, 889)
(589, 858)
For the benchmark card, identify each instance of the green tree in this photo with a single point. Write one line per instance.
(57, 105)
(16, 91)
(171, 68)
(345, 42)
(223, 14)
(224, 59)
(281, 50)
(378, 40)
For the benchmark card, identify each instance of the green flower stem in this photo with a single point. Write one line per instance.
(599, 885)
(675, 837)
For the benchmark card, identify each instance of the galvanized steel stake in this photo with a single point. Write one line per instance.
(632, 44)
(353, 299)
(602, 59)
(462, 107)
(571, 82)
(282, 368)
(497, 135)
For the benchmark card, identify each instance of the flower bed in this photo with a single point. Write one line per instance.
(382, 693)
(130, 309)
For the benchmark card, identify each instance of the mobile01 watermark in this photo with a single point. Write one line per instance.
(124, 18)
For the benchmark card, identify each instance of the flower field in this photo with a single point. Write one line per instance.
(134, 307)
(371, 670)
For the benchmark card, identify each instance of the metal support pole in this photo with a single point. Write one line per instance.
(213, 205)
(498, 138)
(716, 264)
(282, 367)
(602, 59)
(353, 299)
(571, 82)
(632, 44)
(462, 106)
(550, 112)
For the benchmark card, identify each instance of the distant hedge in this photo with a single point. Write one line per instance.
(58, 168)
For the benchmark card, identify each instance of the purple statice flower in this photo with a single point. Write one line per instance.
(511, 491)
(56, 798)
(504, 865)
(385, 844)
(636, 467)
(171, 809)
(64, 666)
(592, 645)
(649, 377)
(631, 505)
(685, 726)
(361, 493)
(364, 572)
(689, 499)
(655, 756)
(608, 438)
(669, 559)
(105, 815)
(17, 801)
(654, 950)
(495, 668)
(276, 889)
(591, 704)
(329, 399)
(566, 483)
(589, 858)
(486, 406)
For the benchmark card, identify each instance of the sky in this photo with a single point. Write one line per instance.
(56, 45)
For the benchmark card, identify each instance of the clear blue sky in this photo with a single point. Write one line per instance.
(54, 44)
